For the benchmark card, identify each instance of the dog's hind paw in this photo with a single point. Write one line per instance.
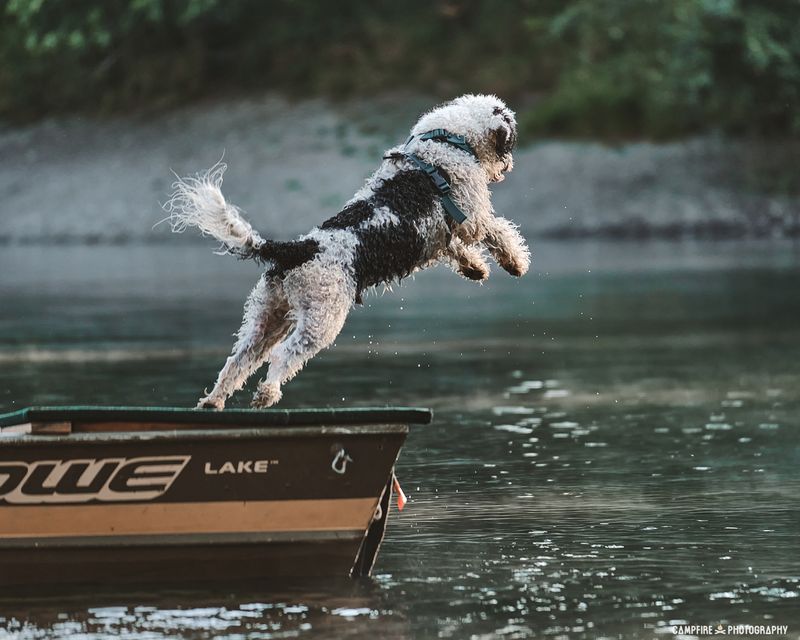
(208, 403)
(266, 395)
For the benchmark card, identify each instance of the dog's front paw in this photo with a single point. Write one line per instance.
(266, 395)
(518, 267)
(515, 270)
(475, 272)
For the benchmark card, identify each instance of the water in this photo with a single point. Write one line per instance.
(615, 448)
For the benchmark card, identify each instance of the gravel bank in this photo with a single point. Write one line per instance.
(294, 164)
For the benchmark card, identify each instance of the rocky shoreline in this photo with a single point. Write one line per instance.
(79, 181)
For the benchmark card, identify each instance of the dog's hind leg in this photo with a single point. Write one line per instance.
(319, 316)
(264, 324)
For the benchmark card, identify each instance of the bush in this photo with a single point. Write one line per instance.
(666, 68)
(587, 67)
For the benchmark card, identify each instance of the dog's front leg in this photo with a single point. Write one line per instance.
(507, 246)
(467, 260)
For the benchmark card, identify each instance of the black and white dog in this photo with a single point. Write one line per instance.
(428, 202)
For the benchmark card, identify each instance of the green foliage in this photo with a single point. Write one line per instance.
(61, 55)
(669, 67)
(584, 67)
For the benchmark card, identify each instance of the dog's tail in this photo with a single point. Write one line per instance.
(197, 201)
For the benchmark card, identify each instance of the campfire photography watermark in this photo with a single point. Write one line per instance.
(747, 630)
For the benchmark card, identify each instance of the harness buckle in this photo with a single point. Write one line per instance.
(442, 185)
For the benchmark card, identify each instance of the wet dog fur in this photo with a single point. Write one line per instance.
(393, 226)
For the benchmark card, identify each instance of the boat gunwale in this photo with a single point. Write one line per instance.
(225, 433)
(258, 418)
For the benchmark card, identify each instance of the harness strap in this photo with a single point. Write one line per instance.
(442, 186)
(443, 135)
(433, 172)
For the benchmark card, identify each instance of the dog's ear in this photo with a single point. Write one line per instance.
(504, 134)
(501, 140)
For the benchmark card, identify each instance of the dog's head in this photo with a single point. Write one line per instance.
(487, 124)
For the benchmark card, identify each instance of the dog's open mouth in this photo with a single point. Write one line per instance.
(501, 175)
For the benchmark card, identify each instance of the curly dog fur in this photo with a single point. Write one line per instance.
(394, 225)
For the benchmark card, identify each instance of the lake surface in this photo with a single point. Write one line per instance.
(615, 449)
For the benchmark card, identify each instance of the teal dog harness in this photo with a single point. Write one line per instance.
(434, 173)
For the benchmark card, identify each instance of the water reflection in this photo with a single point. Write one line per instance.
(614, 450)
(329, 609)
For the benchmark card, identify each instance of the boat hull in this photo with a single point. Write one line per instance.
(126, 501)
